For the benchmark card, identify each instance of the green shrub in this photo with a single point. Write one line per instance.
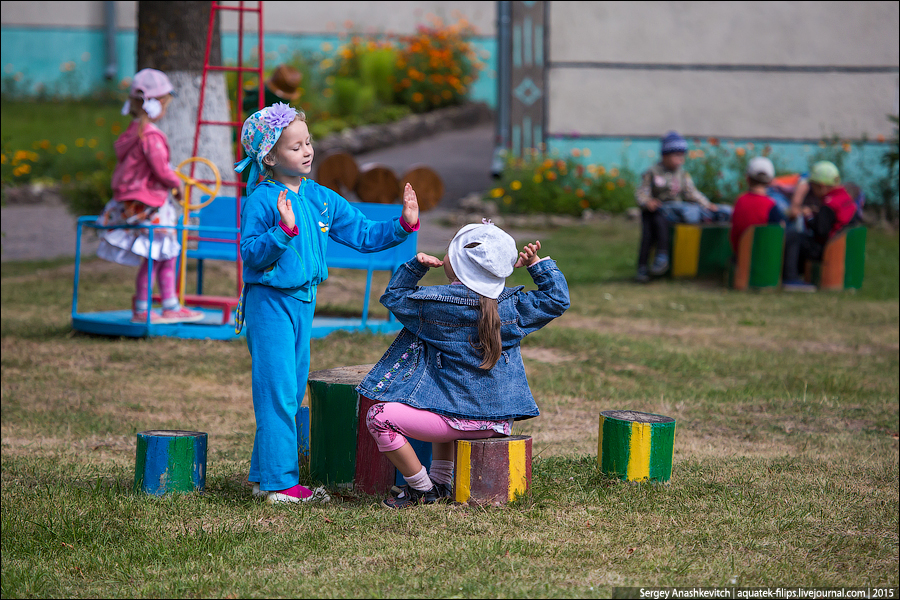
(89, 195)
(540, 183)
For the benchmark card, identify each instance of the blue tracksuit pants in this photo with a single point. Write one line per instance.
(278, 336)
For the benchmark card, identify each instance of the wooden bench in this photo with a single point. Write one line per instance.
(843, 262)
(759, 259)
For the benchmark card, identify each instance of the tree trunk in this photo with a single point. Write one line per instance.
(172, 38)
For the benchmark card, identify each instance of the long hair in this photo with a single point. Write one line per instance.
(489, 341)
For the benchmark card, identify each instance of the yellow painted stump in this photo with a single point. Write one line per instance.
(636, 446)
(493, 471)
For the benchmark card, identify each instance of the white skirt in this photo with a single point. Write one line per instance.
(130, 246)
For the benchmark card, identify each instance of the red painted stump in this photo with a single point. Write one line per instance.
(492, 471)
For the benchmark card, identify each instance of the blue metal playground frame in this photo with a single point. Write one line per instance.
(118, 322)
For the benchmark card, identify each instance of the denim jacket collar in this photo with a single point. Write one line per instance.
(457, 294)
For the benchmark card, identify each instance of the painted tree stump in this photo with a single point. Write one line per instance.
(342, 452)
(338, 172)
(493, 471)
(170, 461)
(428, 185)
(759, 258)
(636, 446)
(377, 183)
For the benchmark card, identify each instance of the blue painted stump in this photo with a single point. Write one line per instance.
(170, 461)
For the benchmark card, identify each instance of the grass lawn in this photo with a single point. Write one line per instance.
(785, 469)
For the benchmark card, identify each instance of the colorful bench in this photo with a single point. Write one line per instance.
(843, 262)
(699, 250)
(759, 259)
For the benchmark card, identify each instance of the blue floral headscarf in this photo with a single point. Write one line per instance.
(259, 134)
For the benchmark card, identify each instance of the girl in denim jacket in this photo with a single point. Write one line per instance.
(286, 221)
(455, 371)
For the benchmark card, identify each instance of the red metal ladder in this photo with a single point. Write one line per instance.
(238, 184)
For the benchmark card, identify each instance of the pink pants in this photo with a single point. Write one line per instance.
(163, 272)
(388, 422)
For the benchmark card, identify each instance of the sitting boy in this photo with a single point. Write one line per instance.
(667, 194)
(755, 207)
(836, 212)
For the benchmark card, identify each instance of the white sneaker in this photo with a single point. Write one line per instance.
(319, 495)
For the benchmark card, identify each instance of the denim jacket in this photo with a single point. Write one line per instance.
(433, 364)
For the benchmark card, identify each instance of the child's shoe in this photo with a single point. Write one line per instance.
(182, 315)
(413, 497)
(298, 493)
(445, 490)
(140, 316)
(660, 265)
(643, 276)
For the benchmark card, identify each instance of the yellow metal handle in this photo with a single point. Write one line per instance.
(191, 182)
(188, 207)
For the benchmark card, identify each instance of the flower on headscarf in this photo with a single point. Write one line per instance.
(279, 115)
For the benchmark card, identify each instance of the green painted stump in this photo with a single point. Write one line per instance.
(170, 461)
(342, 453)
(636, 446)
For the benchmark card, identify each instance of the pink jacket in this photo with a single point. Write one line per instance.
(143, 172)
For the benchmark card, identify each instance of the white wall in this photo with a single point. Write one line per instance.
(788, 70)
(281, 17)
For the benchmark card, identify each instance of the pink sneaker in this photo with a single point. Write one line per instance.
(141, 317)
(182, 315)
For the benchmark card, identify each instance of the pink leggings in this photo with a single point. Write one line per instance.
(388, 422)
(163, 272)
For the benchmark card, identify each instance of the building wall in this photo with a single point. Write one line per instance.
(774, 70)
(618, 74)
(60, 48)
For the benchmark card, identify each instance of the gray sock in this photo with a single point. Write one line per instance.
(441, 471)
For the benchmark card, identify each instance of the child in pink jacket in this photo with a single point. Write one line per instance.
(141, 184)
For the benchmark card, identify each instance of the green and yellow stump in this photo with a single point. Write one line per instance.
(493, 471)
(699, 250)
(170, 461)
(636, 446)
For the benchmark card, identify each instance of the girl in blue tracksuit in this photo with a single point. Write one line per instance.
(286, 221)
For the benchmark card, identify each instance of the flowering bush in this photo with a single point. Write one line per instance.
(436, 66)
(539, 183)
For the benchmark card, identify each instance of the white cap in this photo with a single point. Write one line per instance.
(483, 256)
(761, 169)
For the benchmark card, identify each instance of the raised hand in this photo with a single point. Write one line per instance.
(528, 256)
(428, 260)
(285, 210)
(410, 206)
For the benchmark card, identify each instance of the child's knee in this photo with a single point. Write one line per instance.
(373, 421)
